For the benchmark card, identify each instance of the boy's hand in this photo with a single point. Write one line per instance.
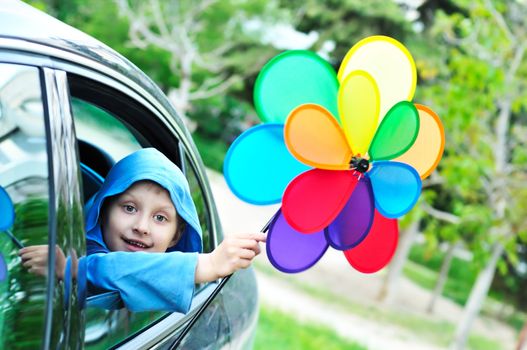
(234, 253)
(35, 258)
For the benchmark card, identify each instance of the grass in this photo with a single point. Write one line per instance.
(461, 276)
(455, 290)
(436, 332)
(278, 330)
(422, 269)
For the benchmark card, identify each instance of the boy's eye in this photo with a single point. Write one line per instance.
(129, 208)
(160, 218)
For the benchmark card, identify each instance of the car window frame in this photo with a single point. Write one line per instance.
(165, 327)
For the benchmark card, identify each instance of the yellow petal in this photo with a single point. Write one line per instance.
(389, 63)
(358, 103)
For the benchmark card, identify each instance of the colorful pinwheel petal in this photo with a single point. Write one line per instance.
(6, 208)
(290, 250)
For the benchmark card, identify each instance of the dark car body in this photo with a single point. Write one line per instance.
(70, 107)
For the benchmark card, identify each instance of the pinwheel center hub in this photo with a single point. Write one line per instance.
(359, 164)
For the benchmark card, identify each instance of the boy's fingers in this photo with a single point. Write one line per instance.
(247, 254)
(257, 236)
(34, 247)
(249, 244)
(260, 237)
(33, 254)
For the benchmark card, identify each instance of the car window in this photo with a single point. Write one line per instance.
(103, 140)
(108, 128)
(24, 210)
(97, 127)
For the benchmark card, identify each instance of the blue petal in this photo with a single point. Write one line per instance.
(8, 211)
(258, 166)
(396, 187)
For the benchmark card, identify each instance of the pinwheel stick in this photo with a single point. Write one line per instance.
(215, 292)
(14, 239)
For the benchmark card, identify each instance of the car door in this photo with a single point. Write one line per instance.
(39, 179)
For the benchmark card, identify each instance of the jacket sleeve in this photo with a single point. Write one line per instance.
(145, 281)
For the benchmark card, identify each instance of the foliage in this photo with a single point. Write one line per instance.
(343, 23)
(299, 335)
(480, 94)
(212, 151)
(23, 301)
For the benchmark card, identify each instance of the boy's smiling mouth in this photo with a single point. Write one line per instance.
(135, 244)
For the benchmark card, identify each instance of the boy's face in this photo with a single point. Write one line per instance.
(142, 218)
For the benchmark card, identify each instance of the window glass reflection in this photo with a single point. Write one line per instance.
(24, 180)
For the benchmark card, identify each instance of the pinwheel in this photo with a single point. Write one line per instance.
(345, 154)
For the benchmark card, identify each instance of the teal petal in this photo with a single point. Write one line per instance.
(291, 79)
(258, 166)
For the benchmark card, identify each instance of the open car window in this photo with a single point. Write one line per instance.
(110, 125)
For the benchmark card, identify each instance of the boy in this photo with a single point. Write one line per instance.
(144, 238)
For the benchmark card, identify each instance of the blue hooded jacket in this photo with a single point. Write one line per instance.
(145, 281)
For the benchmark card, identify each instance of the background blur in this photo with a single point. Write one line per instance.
(459, 277)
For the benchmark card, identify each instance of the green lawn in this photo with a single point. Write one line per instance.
(424, 272)
(278, 330)
(433, 331)
(422, 268)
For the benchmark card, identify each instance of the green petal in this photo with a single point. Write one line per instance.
(396, 133)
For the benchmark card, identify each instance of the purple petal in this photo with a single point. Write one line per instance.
(291, 251)
(353, 223)
(3, 268)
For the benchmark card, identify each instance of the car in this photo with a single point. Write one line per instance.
(70, 107)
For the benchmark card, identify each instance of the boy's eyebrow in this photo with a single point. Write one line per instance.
(168, 208)
(127, 196)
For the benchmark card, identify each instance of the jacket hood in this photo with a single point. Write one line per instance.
(145, 164)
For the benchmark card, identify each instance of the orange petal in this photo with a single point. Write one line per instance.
(315, 138)
(427, 150)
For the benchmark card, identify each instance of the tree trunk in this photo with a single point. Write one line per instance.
(477, 296)
(388, 289)
(522, 339)
(443, 276)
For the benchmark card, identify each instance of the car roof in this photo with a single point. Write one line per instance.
(27, 25)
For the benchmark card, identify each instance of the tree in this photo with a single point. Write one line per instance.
(208, 47)
(340, 24)
(484, 106)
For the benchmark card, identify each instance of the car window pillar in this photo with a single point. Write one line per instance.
(64, 310)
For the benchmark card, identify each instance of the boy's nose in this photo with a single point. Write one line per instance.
(141, 224)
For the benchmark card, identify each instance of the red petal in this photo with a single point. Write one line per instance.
(314, 198)
(377, 249)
